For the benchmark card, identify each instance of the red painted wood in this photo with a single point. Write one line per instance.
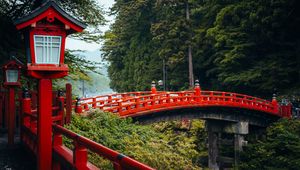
(136, 103)
(57, 141)
(11, 116)
(6, 109)
(44, 140)
(94, 104)
(61, 109)
(132, 104)
(80, 156)
(1, 107)
(83, 143)
(68, 103)
(51, 11)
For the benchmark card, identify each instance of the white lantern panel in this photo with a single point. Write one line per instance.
(12, 76)
(47, 49)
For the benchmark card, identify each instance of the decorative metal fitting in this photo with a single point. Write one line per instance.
(26, 93)
(153, 83)
(274, 96)
(78, 102)
(60, 93)
(160, 83)
(197, 83)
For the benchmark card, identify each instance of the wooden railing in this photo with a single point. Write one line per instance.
(77, 159)
(127, 105)
(63, 157)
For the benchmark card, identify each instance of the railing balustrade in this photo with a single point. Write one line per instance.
(78, 157)
(63, 157)
(126, 104)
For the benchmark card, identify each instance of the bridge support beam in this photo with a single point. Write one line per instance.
(238, 129)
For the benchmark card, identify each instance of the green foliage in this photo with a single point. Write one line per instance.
(156, 145)
(244, 46)
(280, 149)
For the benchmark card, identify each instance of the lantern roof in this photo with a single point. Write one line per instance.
(12, 64)
(48, 8)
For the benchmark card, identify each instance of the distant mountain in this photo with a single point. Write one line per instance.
(99, 84)
(92, 55)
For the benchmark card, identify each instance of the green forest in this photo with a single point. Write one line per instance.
(246, 46)
(242, 46)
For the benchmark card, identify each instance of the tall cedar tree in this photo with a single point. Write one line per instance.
(243, 46)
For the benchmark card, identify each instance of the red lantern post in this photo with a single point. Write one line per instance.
(11, 72)
(45, 31)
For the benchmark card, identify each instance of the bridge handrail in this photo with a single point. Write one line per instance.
(108, 98)
(129, 104)
(148, 93)
(150, 104)
(119, 160)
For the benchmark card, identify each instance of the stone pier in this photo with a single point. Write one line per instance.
(215, 130)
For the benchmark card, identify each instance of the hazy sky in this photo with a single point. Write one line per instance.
(81, 45)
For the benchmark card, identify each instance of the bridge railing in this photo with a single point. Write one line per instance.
(64, 157)
(142, 102)
(29, 121)
(77, 158)
(105, 100)
(146, 102)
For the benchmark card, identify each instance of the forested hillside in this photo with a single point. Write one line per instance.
(243, 46)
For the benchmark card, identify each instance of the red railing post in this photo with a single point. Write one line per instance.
(78, 108)
(68, 103)
(1, 107)
(168, 98)
(153, 88)
(26, 108)
(57, 141)
(44, 131)
(137, 102)
(61, 104)
(197, 90)
(94, 105)
(275, 104)
(86, 107)
(120, 107)
(6, 109)
(152, 98)
(11, 115)
(80, 156)
(109, 99)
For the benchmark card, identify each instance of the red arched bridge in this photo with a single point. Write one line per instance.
(194, 104)
(143, 106)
